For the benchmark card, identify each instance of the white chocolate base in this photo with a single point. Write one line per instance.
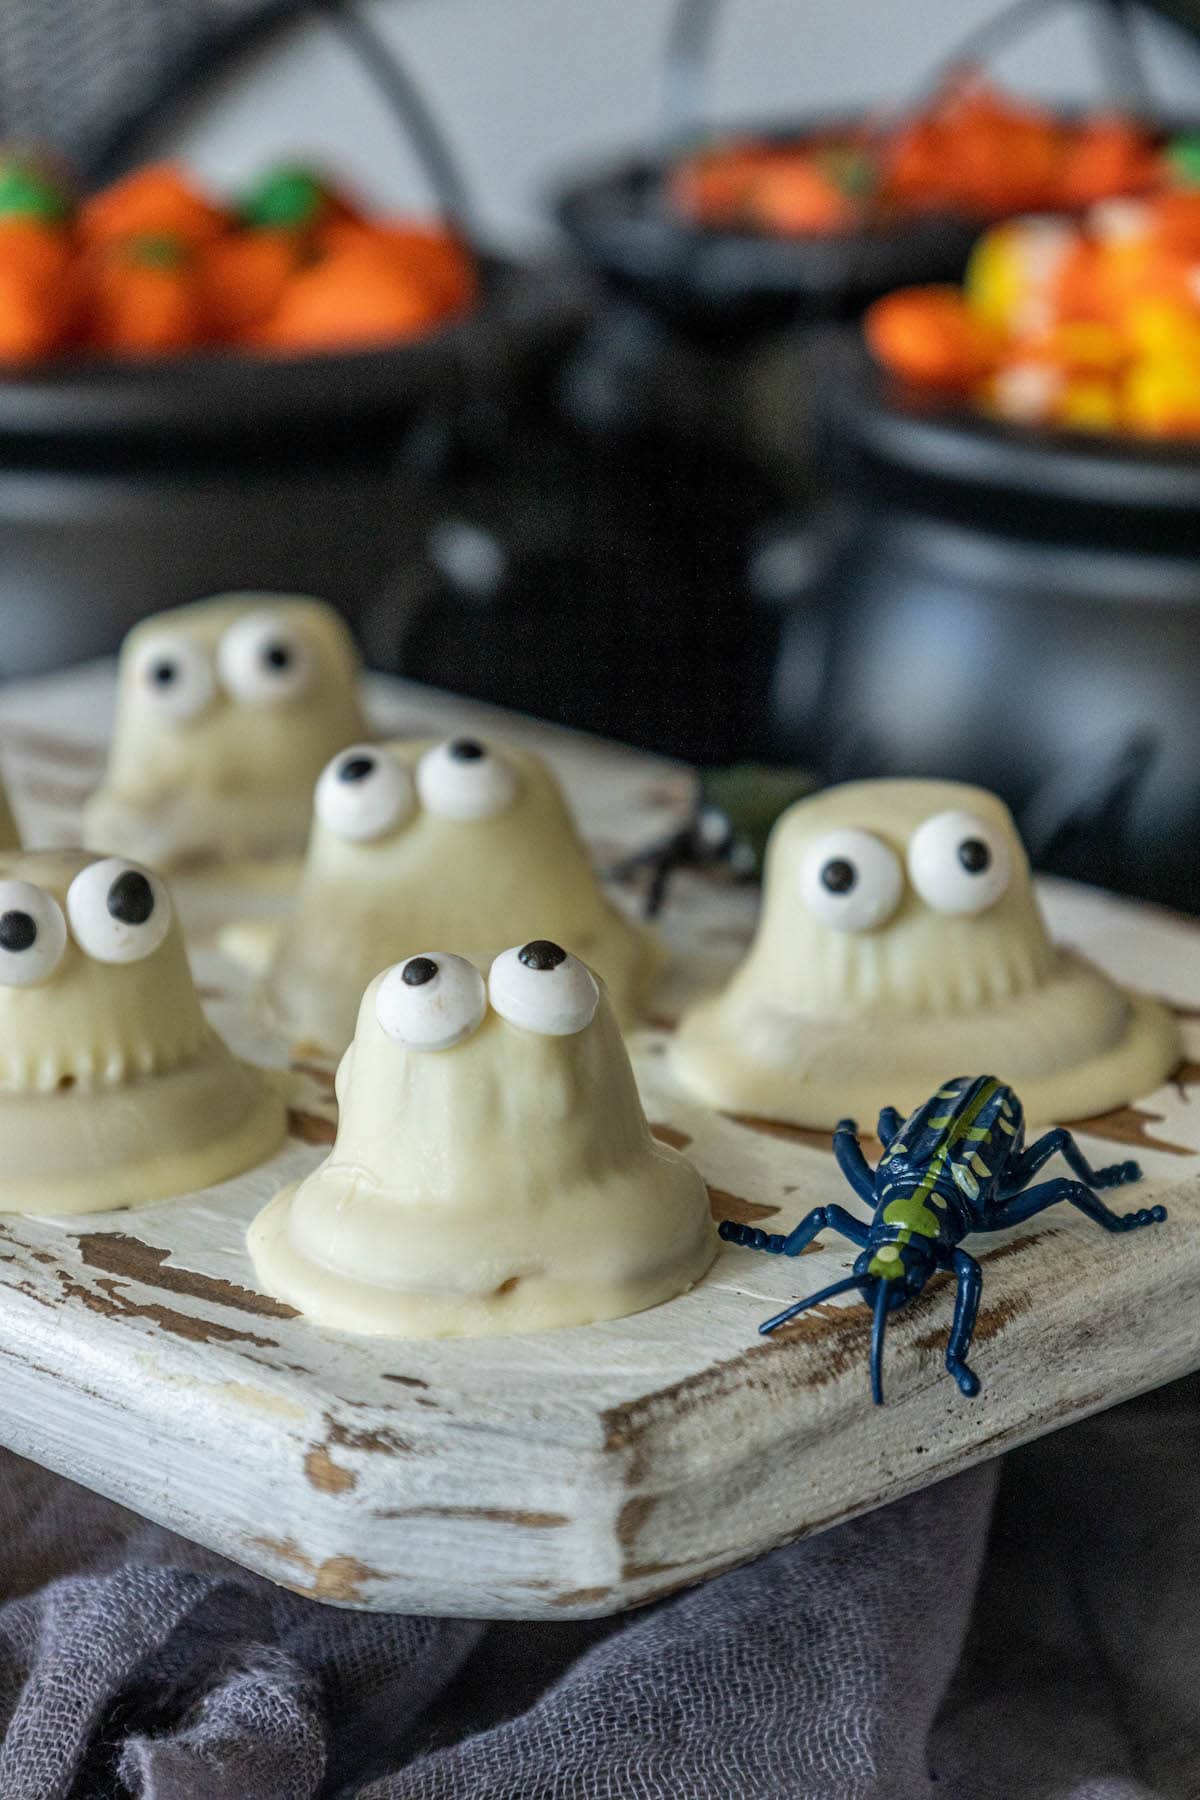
(91, 1148)
(1072, 1047)
(560, 1285)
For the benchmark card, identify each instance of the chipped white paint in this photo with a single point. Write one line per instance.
(577, 1471)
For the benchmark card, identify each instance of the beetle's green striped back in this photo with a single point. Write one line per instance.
(961, 1134)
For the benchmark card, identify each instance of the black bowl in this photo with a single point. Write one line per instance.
(1108, 489)
(735, 285)
(239, 396)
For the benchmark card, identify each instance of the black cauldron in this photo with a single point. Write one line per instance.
(125, 488)
(1022, 609)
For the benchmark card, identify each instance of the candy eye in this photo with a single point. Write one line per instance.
(364, 793)
(958, 863)
(174, 678)
(33, 934)
(462, 779)
(431, 1001)
(263, 660)
(542, 988)
(850, 880)
(118, 912)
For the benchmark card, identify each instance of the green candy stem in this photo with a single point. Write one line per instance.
(285, 197)
(1183, 159)
(26, 193)
(155, 250)
(853, 172)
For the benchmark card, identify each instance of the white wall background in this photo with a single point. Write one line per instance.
(526, 88)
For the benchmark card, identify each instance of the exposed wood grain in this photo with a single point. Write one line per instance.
(120, 1253)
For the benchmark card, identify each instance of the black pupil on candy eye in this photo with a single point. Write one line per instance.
(418, 971)
(541, 954)
(839, 876)
(466, 750)
(162, 674)
(974, 855)
(17, 931)
(277, 656)
(131, 898)
(356, 768)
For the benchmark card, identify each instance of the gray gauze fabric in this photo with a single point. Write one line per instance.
(1030, 1632)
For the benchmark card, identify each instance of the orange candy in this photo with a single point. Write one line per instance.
(425, 253)
(158, 199)
(972, 149)
(1176, 221)
(152, 267)
(1108, 156)
(37, 289)
(243, 278)
(715, 187)
(1103, 335)
(977, 150)
(355, 296)
(930, 336)
(33, 322)
(796, 196)
(144, 298)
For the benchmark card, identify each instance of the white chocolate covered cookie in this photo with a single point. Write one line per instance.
(493, 1170)
(226, 713)
(459, 842)
(900, 938)
(114, 1089)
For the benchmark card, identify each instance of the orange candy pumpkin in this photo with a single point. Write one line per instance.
(157, 200)
(930, 336)
(143, 297)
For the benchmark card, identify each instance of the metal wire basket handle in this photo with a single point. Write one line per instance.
(377, 58)
(687, 59)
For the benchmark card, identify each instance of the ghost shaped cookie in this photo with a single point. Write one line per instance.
(462, 842)
(114, 1088)
(900, 938)
(493, 1170)
(227, 711)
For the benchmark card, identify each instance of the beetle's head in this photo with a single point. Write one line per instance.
(903, 1268)
(888, 1276)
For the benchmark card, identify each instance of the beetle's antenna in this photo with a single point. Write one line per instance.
(837, 1287)
(877, 1331)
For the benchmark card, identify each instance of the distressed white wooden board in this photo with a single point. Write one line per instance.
(583, 1471)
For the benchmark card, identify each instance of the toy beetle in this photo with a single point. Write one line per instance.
(728, 828)
(957, 1165)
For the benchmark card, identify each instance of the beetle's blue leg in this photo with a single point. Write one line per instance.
(1077, 1193)
(777, 1243)
(825, 1293)
(888, 1126)
(852, 1162)
(826, 1218)
(969, 1277)
(1026, 1166)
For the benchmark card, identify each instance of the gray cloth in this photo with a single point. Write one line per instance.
(1028, 1632)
